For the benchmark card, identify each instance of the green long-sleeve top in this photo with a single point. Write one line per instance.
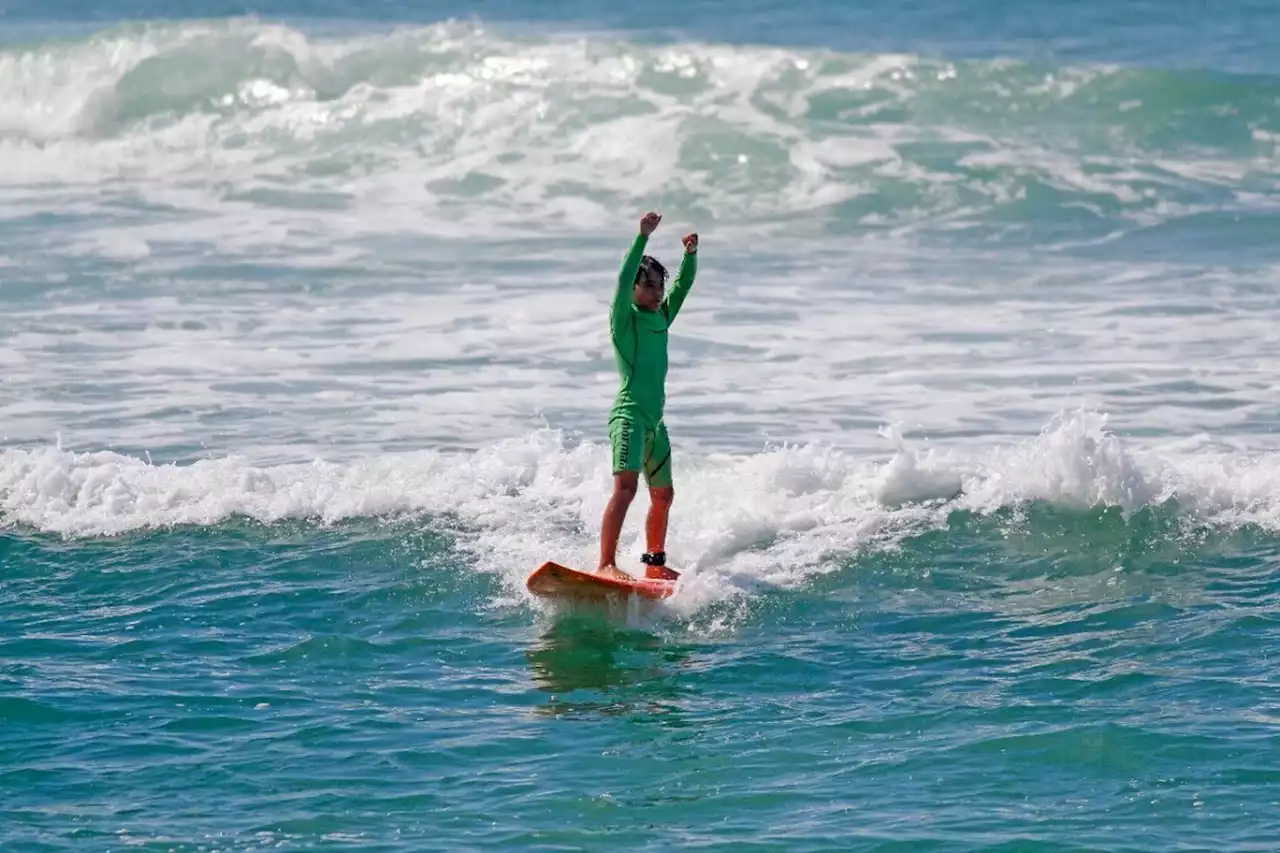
(640, 338)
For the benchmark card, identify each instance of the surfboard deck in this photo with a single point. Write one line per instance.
(552, 580)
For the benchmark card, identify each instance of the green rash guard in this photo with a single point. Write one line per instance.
(640, 339)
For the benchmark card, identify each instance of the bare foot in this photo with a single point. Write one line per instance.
(614, 572)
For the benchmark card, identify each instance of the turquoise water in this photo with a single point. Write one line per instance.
(1065, 681)
(306, 368)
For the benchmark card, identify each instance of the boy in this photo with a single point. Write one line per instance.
(638, 323)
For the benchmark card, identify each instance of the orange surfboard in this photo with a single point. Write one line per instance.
(552, 580)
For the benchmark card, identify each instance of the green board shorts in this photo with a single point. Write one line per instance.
(636, 447)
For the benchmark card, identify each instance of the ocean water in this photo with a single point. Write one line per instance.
(306, 365)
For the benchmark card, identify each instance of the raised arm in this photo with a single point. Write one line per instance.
(684, 278)
(630, 266)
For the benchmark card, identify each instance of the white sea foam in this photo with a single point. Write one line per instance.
(773, 518)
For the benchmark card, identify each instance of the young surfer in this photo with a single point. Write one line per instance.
(638, 323)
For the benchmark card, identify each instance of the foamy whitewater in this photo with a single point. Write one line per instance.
(306, 366)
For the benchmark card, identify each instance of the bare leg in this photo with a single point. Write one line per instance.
(655, 524)
(624, 491)
(655, 530)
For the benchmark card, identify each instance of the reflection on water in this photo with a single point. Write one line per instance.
(589, 664)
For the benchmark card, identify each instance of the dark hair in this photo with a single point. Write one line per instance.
(649, 265)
